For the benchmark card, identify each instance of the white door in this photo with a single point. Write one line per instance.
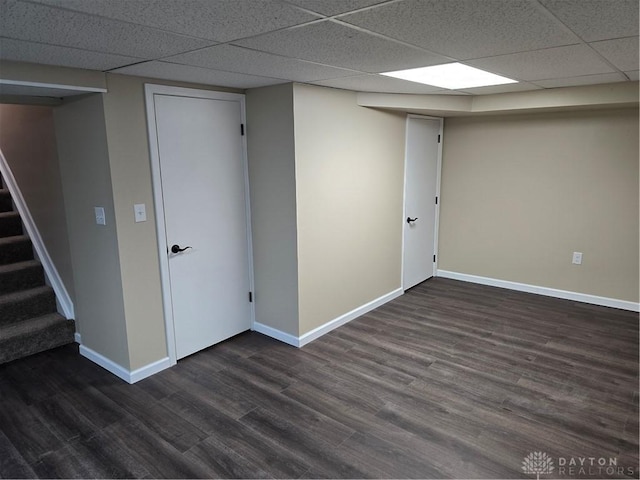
(420, 208)
(202, 172)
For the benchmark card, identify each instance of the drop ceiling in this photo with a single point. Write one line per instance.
(335, 43)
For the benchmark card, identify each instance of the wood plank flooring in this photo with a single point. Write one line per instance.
(451, 380)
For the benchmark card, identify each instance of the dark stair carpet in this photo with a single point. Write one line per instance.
(29, 322)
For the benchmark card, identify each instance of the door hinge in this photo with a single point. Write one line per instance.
(434, 259)
(250, 297)
(242, 129)
(438, 138)
(436, 200)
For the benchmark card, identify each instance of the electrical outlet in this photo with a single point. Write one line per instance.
(577, 258)
(101, 219)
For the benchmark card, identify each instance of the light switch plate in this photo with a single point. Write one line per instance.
(140, 212)
(101, 219)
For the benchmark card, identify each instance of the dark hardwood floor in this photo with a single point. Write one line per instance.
(451, 380)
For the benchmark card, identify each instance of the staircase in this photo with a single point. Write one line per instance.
(29, 322)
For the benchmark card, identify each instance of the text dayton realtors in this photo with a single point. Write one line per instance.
(593, 466)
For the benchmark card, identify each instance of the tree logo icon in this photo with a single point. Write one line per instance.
(537, 463)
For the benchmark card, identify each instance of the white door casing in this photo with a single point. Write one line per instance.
(422, 186)
(201, 197)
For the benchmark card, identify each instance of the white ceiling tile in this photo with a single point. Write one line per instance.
(333, 43)
(509, 87)
(597, 19)
(622, 52)
(21, 51)
(559, 62)
(466, 29)
(378, 83)
(632, 75)
(220, 20)
(334, 7)
(584, 80)
(185, 73)
(242, 60)
(39, 23)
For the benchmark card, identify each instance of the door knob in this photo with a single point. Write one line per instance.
(411, 220)
(177, 249)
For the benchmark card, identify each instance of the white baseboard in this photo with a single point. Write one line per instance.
(105, 363)
(277, 334)
(549, 292)
(148, 370)
(120, 371)
(347, 317)
(78, 338)
(327, 327)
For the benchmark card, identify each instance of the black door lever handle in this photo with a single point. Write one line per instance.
(177, 249)
(411, 220)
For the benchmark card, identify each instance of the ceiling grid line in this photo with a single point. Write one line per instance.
(333, 43)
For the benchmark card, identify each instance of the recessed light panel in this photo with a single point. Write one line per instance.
(453, 76)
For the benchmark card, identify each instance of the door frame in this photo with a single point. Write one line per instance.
(150, 91)
(404, 191)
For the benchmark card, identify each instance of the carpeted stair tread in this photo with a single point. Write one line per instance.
(35, 335)
(22, 305)
(14, 249)
(29, 322)
(5, 200)
(10, 224)
(21, 276)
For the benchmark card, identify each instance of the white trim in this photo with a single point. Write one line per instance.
(436, 227)
(150, 91)
(148, 370)
(57, 86)
(78, 338)
(277, 334)
(62, 295)
(120, 371)
(549, 292)
(327, 327)
(105, 363)
(160, 227)
(347, 317)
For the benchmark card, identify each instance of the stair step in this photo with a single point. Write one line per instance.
(15, 249)
(10, 224)
(34, 335)
(18, 306)
(5, 201)
(21, 276)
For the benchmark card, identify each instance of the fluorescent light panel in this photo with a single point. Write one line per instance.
(452, 76)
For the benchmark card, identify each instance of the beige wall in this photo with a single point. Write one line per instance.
(130, 169)
(86, 181)
(521, 193)
(27, 139)
(271, 153)
(349, 177)
(33, 72)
